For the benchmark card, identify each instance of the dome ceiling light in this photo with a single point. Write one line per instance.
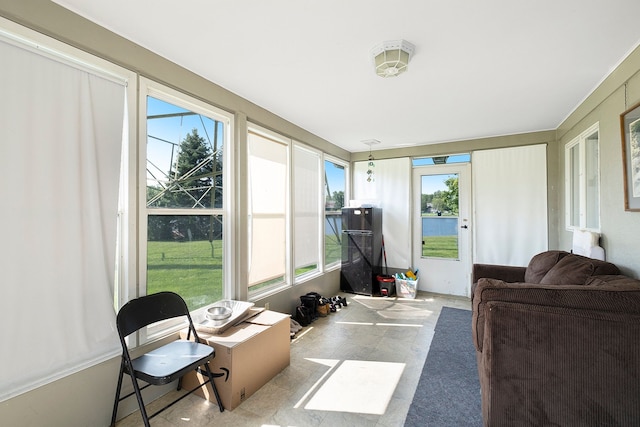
(391, 58)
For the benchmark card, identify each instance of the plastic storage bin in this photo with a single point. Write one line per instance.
(406, 288)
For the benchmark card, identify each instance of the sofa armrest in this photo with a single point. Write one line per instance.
(506, 273)
(552, 365)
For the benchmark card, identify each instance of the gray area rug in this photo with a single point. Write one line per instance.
(448, 393)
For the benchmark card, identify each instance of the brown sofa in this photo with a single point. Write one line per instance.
(557, 342)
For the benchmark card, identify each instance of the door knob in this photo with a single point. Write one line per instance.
(464, 226)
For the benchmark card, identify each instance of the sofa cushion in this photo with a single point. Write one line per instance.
(570, 270)
(541, 264)
(613, 279)
(603, 267)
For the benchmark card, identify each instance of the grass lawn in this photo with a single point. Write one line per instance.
(189, 269)
(332, 249)
(440, 246)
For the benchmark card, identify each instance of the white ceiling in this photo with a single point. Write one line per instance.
(481, 67)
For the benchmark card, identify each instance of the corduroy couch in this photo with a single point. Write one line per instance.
(557, 342)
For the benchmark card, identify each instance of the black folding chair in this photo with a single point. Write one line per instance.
(164, 364)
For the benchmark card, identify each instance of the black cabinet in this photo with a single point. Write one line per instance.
(361, 250)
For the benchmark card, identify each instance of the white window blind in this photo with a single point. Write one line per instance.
(306, 183)
(268, 160)
(510, 204)
(61, 129)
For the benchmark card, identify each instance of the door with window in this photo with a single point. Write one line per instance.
(442, 228)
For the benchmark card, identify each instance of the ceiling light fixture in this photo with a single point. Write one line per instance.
(391, 58)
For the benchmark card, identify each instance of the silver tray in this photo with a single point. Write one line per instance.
(239, 309)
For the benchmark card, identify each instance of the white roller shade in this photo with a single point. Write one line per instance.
(510, 204)
(267, 208)
(61, 133)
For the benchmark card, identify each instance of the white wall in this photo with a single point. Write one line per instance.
(620, 229)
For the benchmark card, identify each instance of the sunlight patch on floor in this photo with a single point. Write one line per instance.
(394, 308)
(331, 364)
(358, 386)
(410, 325)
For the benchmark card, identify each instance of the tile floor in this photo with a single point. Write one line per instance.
(356, 367)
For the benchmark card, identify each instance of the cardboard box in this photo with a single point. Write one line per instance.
(253, 353)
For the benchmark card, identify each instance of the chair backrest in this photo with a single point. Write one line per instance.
(145, 310)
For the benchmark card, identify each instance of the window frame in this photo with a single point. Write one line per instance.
(301, 278)
(347, 177)
(582, 209)
(150, 88)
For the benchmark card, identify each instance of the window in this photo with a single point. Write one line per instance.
(285, 203)
(268, 180)
(306, 211)
(335, 184)
(440, 215)
(185, 197)
(582, 180)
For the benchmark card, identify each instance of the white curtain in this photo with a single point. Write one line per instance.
(267, 208)
(390, 189)
(306, 184)
(510, 204)
(61, 133)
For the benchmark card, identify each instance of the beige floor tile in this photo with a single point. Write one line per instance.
(393, 330)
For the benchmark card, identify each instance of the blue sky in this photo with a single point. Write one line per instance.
(433, 183)
(162, 132)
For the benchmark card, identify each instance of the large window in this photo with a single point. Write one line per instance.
(335, 185)
(185, 170)
(288, 189)
(582, 179)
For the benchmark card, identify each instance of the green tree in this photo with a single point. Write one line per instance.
(450, 196)
(425, 200)
(195, 181)
(438, 201)
(193, 172)
(338, 197)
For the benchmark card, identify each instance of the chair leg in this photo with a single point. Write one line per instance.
(213, 386)
(143, 410)
(117, 399)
